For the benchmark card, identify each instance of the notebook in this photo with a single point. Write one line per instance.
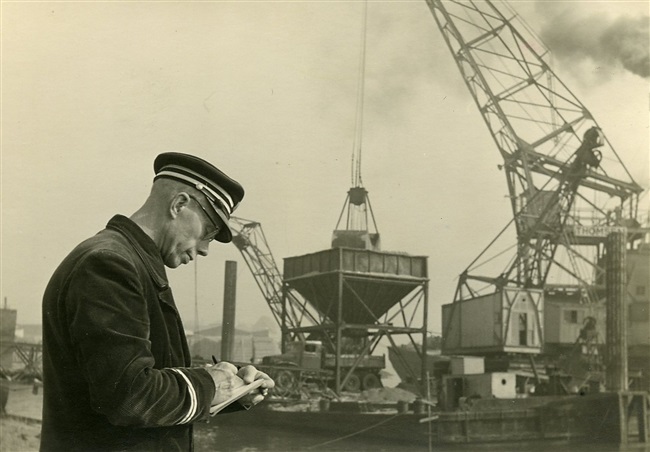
(237, 394)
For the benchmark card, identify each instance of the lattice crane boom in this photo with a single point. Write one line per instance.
(251, 242)
(561, 171)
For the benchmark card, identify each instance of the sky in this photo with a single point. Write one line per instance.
(93, 91)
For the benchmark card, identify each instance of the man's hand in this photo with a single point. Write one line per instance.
(227, 378)
(249, 374)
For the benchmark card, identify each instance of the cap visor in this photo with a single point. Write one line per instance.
(225, 234)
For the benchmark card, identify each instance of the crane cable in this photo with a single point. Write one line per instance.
(358, 121)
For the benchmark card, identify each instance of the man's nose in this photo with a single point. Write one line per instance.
(204, 248)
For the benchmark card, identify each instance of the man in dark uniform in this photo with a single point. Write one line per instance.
(116, 362)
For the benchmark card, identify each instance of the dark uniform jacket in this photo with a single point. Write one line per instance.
(115, 356)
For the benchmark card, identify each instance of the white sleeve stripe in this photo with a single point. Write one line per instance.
(193, 401)
(192, 393)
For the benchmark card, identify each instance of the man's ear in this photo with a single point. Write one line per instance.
(179, 202)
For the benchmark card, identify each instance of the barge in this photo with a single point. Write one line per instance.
(619, 418)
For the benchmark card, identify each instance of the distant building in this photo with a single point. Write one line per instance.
(31, 334)
(7, 333)
(20, 347)
(249, 346)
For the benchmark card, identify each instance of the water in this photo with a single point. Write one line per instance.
(260, 438)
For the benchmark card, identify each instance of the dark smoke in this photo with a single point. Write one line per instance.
(609, 42)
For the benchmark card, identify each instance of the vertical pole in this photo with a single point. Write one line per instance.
(429, 413)
(339, 321)
(424, 371)
(283, 326)
(642, 417)
(622, 418)
(229, 304)
(616, 334)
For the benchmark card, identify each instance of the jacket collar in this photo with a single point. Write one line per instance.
(143, 245)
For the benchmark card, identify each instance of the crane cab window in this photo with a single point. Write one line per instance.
(571, 316)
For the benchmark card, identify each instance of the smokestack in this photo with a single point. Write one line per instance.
(229, 304)
(616, 333)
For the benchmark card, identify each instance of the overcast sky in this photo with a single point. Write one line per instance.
(93, 91)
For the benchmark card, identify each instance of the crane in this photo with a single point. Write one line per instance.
(251, 242)
(564, 179)
(563, 175)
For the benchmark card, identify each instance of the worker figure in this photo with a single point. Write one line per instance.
(116, 362)
(588, 332)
